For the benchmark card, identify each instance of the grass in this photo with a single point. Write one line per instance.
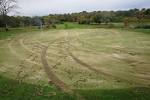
(147, 31)
(69, 25)
(13, 90)
(14, 31)
(121, 56)
(139, 93)
(66, 25)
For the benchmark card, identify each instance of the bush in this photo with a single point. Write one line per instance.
(54, 26)
(84, 22)
(111, 26)
(143, 26)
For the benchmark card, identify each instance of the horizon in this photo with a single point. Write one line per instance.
(78, 12)
(46, 7)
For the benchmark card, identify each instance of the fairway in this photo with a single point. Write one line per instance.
(92, 64)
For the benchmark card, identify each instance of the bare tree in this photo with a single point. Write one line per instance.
(6, 6)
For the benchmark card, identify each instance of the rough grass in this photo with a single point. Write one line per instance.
(14, 31)
(98, 64)
(139, 93)
(69, 25)
(147, 31)
(13, 90)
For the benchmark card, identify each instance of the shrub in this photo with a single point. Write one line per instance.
(84, 21)
(143, 26)
(54, 26)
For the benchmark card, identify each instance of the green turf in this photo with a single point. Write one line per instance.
(69, 25)
(147, 31)
(14, 90)
(139, 93)
(14, 31)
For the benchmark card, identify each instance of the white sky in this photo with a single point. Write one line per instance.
(45, 7)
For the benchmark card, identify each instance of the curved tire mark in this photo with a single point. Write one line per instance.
(59, 84)
(19, 56)
(98, 71)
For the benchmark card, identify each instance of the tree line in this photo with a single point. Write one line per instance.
(95, 17)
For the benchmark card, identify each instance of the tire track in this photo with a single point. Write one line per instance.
(55, 80)
(59, 84)
(32, 51)
(19, 56)
(98, 71)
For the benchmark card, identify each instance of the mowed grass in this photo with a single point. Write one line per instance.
(75, 25)
(147, 31)
(66, 25)
(16, 31)
(120, 56)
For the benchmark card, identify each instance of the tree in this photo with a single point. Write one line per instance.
(97, 18)
(107, 17)
(147, 12)
(140, 15)
(6, 6)
(126, 22)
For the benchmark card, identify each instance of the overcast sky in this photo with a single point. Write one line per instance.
(45, 7)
